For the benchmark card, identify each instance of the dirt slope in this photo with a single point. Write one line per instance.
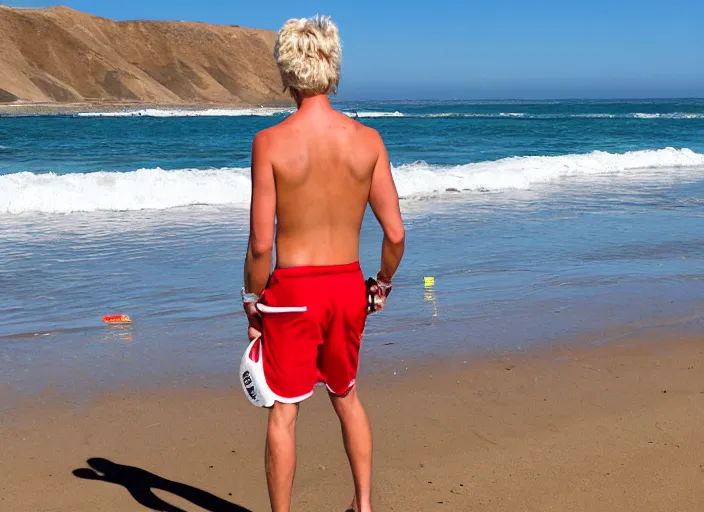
(62, 55)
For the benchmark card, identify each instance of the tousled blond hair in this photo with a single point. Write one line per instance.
(308, 53)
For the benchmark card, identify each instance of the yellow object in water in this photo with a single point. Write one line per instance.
(429, 281)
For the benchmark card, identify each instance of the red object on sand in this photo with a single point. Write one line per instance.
(117, 319)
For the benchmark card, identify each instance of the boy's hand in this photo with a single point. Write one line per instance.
(254, 318)
(378, 291)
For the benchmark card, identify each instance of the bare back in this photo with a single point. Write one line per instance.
(323, 163)
(315, 173)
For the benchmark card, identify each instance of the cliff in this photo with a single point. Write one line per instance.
(66, 56)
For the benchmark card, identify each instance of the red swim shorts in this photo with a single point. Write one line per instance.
(321, 344)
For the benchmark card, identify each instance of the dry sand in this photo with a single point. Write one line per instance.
(616, 427)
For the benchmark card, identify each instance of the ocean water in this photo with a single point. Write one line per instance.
(540, 221)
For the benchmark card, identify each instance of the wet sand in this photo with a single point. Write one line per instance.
(615, 427)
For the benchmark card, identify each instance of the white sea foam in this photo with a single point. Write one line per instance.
(594, 116)
(211, 112)
(135, 190)
(461, 115)
(672, 115)
(421, 179)
(160, 189)
(268, 112)
(222, 112)
(375, 114)
(447, 114)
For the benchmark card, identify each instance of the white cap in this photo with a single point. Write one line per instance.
(252, 365)
(252, 376)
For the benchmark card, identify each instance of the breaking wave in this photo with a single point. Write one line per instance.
(526, 115)
(161, 189)
(210, 112)
(269, 112)
(222, 112)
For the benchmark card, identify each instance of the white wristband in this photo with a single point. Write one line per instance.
(249, 298)
(384, 286)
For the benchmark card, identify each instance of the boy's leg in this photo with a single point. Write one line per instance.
(357, 436)
(280, 458)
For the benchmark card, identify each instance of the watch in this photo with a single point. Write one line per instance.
(248, 297)
(383, 284)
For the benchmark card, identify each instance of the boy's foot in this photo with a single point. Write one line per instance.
(353, 505)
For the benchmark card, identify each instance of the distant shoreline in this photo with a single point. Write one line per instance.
(22, 109)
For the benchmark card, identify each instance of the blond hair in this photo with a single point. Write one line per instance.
(308, 53)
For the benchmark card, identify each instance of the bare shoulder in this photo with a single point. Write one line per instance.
(368, 137)
(373, 136)
(264, 137)
(261, 139)
(263, 147)
(266, 141)
(281, 134)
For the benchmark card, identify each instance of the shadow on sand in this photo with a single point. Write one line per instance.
(139, 483)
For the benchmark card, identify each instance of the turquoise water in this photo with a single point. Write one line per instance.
(539, 220)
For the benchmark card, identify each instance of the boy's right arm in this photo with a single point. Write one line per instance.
(383, 198)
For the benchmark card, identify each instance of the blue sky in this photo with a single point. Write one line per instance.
(479, 49)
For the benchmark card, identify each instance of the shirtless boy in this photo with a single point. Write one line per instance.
(313, 175)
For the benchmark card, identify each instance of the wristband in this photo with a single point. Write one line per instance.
(384, 285)
(248, 298)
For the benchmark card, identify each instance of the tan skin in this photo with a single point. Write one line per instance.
(314, 174)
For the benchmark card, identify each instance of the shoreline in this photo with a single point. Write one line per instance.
(129, 362)
(32, 109)
(40, 383)
(583, 427)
